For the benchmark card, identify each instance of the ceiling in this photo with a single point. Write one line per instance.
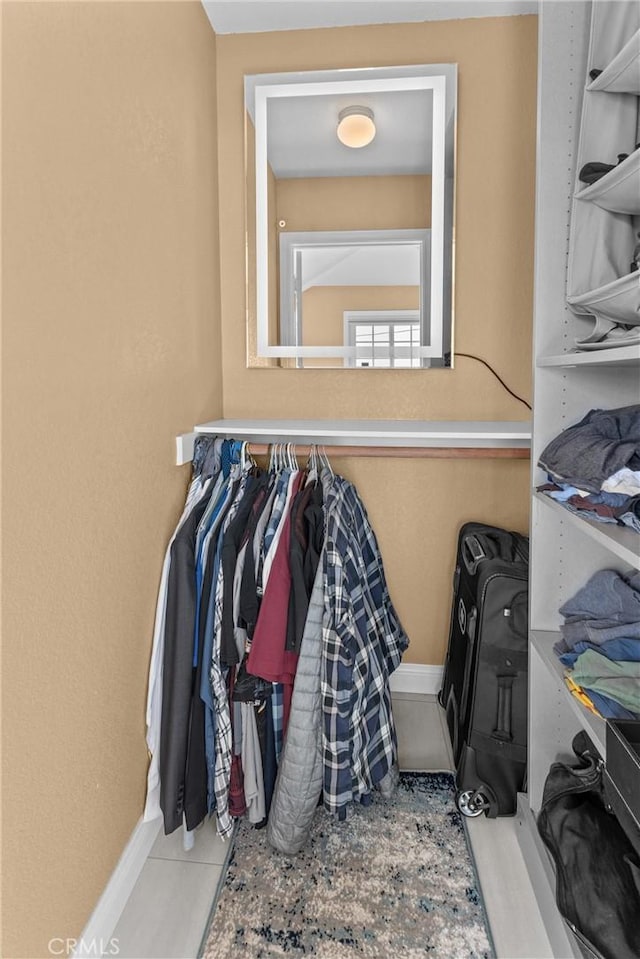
(302, 139)
(256, 16)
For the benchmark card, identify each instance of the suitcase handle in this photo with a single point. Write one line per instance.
(503, 729)
(472, 553)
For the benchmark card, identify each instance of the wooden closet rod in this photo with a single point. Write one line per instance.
(407, 452)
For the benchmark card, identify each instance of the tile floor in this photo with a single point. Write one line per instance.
(167, 914)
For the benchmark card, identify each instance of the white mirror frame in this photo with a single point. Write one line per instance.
(262, 94)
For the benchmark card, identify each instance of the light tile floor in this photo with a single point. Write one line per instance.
(169, 910)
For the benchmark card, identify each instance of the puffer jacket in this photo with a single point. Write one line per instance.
(299, 783)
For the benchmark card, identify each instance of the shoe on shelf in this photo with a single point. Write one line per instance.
(593, 171)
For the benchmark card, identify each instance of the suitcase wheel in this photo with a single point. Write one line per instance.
(472, 803)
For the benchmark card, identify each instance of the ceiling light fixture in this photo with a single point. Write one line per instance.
(356, 127)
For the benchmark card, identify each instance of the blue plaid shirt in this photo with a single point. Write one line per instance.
(363, 642)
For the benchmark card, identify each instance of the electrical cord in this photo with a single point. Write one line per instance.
(470, 356)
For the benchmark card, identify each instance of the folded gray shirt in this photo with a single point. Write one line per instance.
(591, 451)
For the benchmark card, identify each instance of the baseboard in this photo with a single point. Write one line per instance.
(414, 678)
(109, 908)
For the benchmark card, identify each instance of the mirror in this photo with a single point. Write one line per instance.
(350, 202)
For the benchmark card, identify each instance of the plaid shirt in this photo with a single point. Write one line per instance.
(277, 712)
(363, 642)
(218, 676)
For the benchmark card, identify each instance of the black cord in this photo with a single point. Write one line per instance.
(470, 356)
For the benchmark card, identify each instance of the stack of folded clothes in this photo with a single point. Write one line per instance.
(600, 644)
(594, 467)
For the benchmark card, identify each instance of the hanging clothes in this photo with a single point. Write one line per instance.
(205, 465)
(275, 637)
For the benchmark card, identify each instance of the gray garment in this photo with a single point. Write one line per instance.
(299, 783)
(596, 631)
(607, 607)
(239, 633)
(588, 453)
(606, 596)
(252, 765)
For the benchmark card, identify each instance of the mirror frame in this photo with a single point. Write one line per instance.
(399, 78)
(289, 332)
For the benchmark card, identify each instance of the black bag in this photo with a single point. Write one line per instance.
(597, 868)
(484, 691)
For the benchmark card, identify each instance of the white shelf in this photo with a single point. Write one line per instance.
(618, 356)
(543, 641)
(418, 433)
(621, 542)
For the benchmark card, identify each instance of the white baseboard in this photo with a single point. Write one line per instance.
(109, 908)
(414, 678)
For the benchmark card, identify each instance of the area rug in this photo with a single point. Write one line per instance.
(395, 881)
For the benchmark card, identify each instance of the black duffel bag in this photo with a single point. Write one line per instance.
(597, 868)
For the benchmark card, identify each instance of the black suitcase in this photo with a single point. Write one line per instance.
(484, 691)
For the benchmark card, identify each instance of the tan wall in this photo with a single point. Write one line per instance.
(323, 312)
(110, 348)
(355, 203)
(323, 308)
(417, 506)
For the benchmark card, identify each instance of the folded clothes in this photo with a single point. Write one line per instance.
(619, 681)
(580, 694)
(594, 631)
(629, 514)
(620, 650)
(607, 595)
(609, 708)
(589, 452)
(624, 481)
(597, 703)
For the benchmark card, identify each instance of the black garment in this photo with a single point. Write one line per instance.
(597, 869)
(269, 761)
(248, 688)
(307, 536)
(229, 655)
(585, 454)
(177, 676)
(249, 599)
(195, 776)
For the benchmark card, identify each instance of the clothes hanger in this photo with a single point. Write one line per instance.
(324, 459)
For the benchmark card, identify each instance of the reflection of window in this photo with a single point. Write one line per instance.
(384, 338)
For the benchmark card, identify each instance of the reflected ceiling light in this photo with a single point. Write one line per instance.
(356, 127)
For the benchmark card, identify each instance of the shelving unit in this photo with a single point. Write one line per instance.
(567, 548)
(623, 544)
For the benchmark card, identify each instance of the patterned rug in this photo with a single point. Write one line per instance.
(395, 881)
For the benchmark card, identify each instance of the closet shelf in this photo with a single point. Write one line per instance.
(618, 356)
(621, 542)
(619, 190)
(618, 301)
(543, 641)
(475, 439)
(622, 74)
(387, 434)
